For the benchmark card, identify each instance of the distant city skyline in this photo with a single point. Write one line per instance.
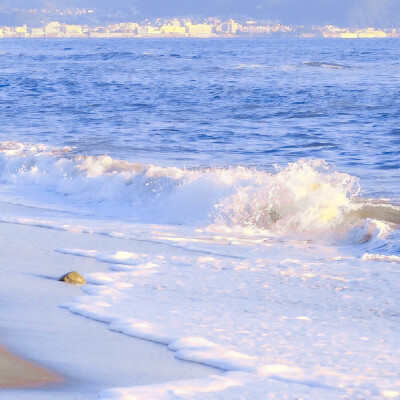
(211, 27)
(352, 13)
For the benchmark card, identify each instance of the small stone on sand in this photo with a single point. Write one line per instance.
(73, 277)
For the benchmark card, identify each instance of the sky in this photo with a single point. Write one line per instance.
(356, 13)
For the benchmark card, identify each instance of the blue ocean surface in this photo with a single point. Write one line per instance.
(237, 200)
(211, 103)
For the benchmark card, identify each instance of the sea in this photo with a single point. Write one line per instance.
(270, 167)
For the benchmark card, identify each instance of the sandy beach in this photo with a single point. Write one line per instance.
(18, 373)
(86, 354)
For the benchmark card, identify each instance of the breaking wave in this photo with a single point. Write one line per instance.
(304, 197)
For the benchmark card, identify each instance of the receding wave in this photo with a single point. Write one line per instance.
(306, 196)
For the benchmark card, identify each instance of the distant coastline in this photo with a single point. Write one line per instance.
(185, 28)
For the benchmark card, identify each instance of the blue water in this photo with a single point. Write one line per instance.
(296, 267)
(211, 102)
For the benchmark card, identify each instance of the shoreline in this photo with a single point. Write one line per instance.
(18, 373)
(85, 353)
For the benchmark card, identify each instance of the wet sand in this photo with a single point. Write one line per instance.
(88, 355)
(18, 373)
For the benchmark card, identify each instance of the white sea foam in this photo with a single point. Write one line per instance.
(381, 257)
(251, 66)
(303, 196)
(370, 230)
(308, 197)
(239, 285)
(286, 322)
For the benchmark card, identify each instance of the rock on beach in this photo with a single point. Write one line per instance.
(73, 277)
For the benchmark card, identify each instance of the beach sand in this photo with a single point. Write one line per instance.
(18, 373)
(33, 326)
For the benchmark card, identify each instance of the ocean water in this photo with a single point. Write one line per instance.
(207, 103)
(271, 168)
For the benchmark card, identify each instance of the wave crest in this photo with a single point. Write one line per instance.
(305, 196)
